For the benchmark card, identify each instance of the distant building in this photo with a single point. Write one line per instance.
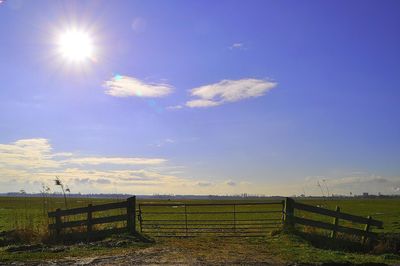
(365, 194)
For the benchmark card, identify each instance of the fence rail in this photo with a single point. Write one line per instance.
(219, 219)
(291, 219)
(129, 217)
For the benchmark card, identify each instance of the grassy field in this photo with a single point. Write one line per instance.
(30, 213)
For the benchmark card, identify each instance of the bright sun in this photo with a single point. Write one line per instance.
(75, 45)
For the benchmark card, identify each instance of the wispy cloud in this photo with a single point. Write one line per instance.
(238, 46)
(175, 107)
(204, 184)
(163, 142)
(356, 184)
(115, 160)
(124, 86)
(228, 91)
(231, 183)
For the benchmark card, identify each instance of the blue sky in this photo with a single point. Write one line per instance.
(202, 97)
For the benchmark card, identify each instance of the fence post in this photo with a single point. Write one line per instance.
(289, 213)
(335, 223)
(131, 213)
(140, 219)
(366, 229)
(58, 222)
(89, 221)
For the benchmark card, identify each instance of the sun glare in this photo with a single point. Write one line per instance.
(75, 45)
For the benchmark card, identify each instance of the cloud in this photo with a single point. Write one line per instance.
(238, 45)
(354, 180)
(228, 91)
(124, 86)
(27, 153)
(88, 181)
(202, 103)
(356, 184)
(63, 154)
(163, 142)
(115, 160)
(175, 107)
(231, 183)
(28, 163)
(204, 184)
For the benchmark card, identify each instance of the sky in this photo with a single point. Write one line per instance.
(201, 97)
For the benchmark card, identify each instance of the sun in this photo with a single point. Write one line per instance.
(75, 46)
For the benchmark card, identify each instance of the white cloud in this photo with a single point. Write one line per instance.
(63, 154)
(202, 103)
(227, 91)
(28, 163)
(27, 153)
(115, 160)
(237, 45)
(175, 107)
(124, 86)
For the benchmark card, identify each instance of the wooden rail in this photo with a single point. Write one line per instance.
(89, 222)
(291, 219)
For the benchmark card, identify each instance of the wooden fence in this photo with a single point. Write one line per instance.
(291, 219)
(59, 222)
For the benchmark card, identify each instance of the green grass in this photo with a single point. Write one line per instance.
(386, 210)
(29, 212)
(297, 250)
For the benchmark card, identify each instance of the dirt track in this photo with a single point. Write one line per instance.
(183, 252)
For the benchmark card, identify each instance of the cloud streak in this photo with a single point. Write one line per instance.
(115, 160)
(238, 46)
(229, 91)
(124, 86)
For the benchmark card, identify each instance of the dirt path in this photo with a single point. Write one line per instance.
(185, 252)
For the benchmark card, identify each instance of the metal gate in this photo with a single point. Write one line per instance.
(218, 219)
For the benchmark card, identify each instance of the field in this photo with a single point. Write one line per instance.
(20, 212)
(30, 213)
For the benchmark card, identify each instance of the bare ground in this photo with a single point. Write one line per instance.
(214, 251)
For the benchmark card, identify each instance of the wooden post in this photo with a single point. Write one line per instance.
(335, 222)
(131, 213)
(58, 222)
(289, 213)
(283, 212)
(89, 222)
(366, 229)
(140, 219)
